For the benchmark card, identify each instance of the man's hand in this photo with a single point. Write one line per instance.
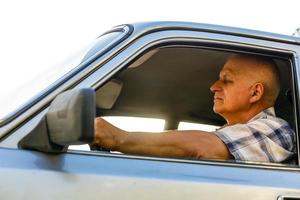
(107, 136)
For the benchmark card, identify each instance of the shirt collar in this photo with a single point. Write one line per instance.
(264, 114)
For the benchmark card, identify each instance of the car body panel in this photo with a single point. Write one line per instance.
(77, 176)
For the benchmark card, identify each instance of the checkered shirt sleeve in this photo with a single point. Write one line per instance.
(266, 139)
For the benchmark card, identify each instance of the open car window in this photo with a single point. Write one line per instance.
(172, 83)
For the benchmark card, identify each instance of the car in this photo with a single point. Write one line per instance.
(144, 72)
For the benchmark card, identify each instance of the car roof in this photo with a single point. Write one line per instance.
(141, 28)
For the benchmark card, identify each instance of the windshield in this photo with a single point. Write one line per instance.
(17, 90)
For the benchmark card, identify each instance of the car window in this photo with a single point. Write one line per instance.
(16, 94)
(173, 83)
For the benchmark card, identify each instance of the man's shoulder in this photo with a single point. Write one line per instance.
(269, 121)
(267, 118)
(264, 125)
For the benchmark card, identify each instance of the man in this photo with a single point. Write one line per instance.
(245, 94)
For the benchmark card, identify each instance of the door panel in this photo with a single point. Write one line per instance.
(34, 175)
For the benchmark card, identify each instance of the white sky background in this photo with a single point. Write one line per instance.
(37, 34)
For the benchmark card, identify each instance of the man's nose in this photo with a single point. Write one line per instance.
(215, 87)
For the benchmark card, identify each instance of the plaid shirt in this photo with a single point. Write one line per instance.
(265, 138)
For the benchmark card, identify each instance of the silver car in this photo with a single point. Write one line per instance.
(146, 71)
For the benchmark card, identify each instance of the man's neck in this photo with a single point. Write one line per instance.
(245, 116)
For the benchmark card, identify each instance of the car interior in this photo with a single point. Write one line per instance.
(172, 82)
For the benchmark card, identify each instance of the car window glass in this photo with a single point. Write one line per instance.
(17, 93)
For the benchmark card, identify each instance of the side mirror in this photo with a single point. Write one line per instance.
(69, 121)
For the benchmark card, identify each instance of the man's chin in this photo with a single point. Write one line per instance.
(217, 110)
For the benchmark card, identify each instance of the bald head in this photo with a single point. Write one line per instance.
(259, 69)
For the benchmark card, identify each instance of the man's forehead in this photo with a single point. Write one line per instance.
(235, 67)
(226, 71)
(231, 70)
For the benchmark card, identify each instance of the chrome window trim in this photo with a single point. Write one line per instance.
(224, 163)
(151, 27)
(296, 98)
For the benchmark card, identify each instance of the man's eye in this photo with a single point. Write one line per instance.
(225, 81)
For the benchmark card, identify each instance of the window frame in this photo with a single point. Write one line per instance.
(221, 44)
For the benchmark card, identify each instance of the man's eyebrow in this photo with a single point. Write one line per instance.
(226, 73)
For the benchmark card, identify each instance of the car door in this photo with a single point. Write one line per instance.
(28, 174)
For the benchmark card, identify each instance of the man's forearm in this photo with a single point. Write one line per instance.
(183, 144)
(155, 144)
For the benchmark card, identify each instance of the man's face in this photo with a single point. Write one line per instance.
(232, 89)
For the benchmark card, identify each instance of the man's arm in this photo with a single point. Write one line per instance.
(179, 144)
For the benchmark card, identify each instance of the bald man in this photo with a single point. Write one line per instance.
(244, 95)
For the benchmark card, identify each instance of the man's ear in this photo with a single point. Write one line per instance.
(257, 91)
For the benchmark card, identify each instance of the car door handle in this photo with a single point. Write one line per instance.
(288, 197)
